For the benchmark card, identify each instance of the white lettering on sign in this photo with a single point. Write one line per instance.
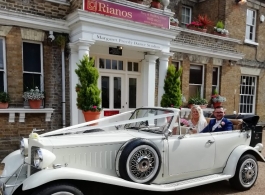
(126, 41)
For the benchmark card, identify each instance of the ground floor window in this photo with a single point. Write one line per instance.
(196, 81)
(247, 102)
(32, 66)
(216, 79)
(3, 81)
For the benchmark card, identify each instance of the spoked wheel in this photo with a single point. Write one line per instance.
(139, 161)
(246, 173)
(58, 189)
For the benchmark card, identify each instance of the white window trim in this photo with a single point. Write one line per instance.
(4, 61)
(247, 41)
(190, 14)
(254, 97)
(251, 41)
(202, 85)
(41, 58)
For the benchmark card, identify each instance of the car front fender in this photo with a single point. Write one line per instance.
(12, 162)
(49, 175)
(234, 157)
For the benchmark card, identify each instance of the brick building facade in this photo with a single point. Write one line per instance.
(30, 21)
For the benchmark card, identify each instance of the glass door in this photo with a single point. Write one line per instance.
(132, 99)
(112, 93)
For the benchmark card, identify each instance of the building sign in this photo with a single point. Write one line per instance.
(122, 41)
(120, 11)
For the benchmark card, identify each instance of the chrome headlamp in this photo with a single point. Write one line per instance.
(24, 146)
(42, 158)
(38, 158)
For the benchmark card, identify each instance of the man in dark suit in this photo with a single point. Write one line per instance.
(219, 123)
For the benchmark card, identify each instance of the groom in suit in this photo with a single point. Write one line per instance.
(219, 123)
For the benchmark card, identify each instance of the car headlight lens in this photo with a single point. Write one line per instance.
(38, 158)
(24, 146)
(42, 158)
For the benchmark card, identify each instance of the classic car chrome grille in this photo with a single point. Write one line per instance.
(32, 168)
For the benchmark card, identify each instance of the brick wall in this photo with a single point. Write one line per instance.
(36, 7)
(10, 133)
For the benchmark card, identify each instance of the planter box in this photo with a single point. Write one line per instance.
(219, 34)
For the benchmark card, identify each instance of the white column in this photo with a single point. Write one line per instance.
(163, 65)
(148, 80)
(78, 50)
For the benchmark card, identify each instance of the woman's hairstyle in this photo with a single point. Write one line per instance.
(202, 119)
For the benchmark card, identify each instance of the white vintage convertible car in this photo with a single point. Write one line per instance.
(144, 149)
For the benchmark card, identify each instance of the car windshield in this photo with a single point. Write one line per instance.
(155, 120)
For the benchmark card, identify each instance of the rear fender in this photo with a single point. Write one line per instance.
(50, 175)
(234, 157)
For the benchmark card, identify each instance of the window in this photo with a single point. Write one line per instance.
(133, 66)
(216, 79)
(247, 94)
(186, 15)
(251, 25)
(196, 80)
(110, 64)
(32, 66)
(3, 81)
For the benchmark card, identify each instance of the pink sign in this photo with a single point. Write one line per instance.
(120, 11)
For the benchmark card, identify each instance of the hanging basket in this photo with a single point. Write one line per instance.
(90, 116)
(3, 105)
(35, 104)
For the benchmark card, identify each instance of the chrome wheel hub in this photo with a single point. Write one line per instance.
(62, 193)
(143, 164)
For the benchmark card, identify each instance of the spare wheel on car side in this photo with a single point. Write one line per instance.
(138, 160)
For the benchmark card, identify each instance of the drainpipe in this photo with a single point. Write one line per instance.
(63, 89)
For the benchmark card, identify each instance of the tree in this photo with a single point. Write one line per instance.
(88, 94)
(172, 95)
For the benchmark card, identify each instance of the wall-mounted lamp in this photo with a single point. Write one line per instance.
(240, 1)
(119, 47)
(51, 37)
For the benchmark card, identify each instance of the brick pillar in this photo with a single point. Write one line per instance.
(185, 76)
(14, 65)
(208, 80)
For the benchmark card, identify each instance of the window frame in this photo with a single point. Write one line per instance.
(248, 95)
(4, 70)
(41, 63)
(190, 16)
(203, 80)
(247, 34)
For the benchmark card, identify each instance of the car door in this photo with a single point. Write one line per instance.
(226, 142)
(193, 153)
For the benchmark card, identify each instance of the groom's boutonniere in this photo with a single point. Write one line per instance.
(222, 124)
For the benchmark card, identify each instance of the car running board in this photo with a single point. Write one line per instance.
(194, 182)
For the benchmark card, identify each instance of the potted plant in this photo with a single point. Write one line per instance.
(88, 94)
(217, 100)
(197, 101)
(172, 96)
(34, 97)
(4, 100)
(156, 4)
(220, 30)
(205, 21)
